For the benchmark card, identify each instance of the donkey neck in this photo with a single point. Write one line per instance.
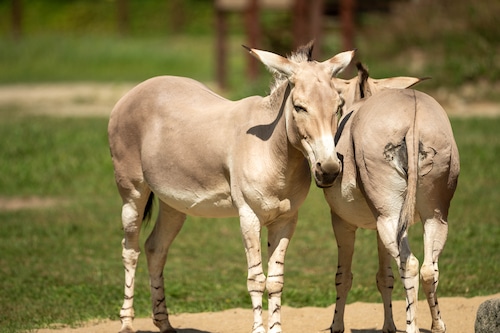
(289, 156)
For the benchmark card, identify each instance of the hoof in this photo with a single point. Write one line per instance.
(389, 329)
(169, 330)
(259, 329)
(164, 326)
(336, 329)
(441, 328)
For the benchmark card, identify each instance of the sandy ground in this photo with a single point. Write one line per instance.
(97, 99)
(458, 313)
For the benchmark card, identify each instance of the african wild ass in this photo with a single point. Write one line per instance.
(400, 163)
(204, 155)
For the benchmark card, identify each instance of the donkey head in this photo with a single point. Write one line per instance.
(311, 106)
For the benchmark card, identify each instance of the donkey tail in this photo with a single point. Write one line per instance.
(148, 210)
(408, 210)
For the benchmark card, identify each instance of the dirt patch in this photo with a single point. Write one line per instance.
(98, 99)
(68, 99)
(458, 313)
(16, 203)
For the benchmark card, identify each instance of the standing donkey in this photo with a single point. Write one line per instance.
(400, 162)
(204, 155)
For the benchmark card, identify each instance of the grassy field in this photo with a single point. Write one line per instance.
(61, 264)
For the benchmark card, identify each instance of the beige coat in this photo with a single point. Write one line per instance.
(204, 155)
(400, 162)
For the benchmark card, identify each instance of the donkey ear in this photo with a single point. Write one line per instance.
(347, 89)
(275, 63)
(400, 82)
(338, 63)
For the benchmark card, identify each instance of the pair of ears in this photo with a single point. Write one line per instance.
(363, 86)
(278, 64)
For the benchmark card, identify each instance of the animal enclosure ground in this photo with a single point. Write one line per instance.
(459, 314)
(97, 99)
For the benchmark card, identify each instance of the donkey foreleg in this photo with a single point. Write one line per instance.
(345, 235)
(256, 280)
(385, 285)
(279, 235)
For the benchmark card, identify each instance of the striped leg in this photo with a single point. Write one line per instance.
(167, 227)
(345, 235)
(129, 257)
(407, 264)
(385, 285)
(435, 234)
(279, 235)
(256, 280)
(134, 202)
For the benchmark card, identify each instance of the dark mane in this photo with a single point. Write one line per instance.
(303, 53)
(363, 75)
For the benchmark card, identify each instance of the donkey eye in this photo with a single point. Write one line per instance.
(300, 109)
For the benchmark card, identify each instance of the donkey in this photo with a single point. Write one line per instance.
(203, 155)
(399, 163)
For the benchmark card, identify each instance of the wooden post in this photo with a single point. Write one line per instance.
(177, 15)
(316, 26)
(16, 18)
(300, 26)
(220, 47)
(347, 23)
(123, 17)
(347, 8)
(253, 34)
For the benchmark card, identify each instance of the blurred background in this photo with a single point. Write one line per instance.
(65, 63)
(454, 42)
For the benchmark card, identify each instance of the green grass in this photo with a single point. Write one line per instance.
(62, 264)
(60, 58)
(100, 58)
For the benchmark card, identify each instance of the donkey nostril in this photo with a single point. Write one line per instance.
(328, 167)
(327, 172)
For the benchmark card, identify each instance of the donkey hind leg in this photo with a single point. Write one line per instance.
(385, 285)
(407, 264)
(134, 203)
(435, 234)
(345, 235)
(256, 280)
(279, 234)
(167, 227)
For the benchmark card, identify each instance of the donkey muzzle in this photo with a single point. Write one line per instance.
(325, 173)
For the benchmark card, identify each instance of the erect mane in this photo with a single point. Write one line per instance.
(303, 54)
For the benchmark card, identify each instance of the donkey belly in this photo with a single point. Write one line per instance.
(197, 201)
(189, 188)
(350, 205)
